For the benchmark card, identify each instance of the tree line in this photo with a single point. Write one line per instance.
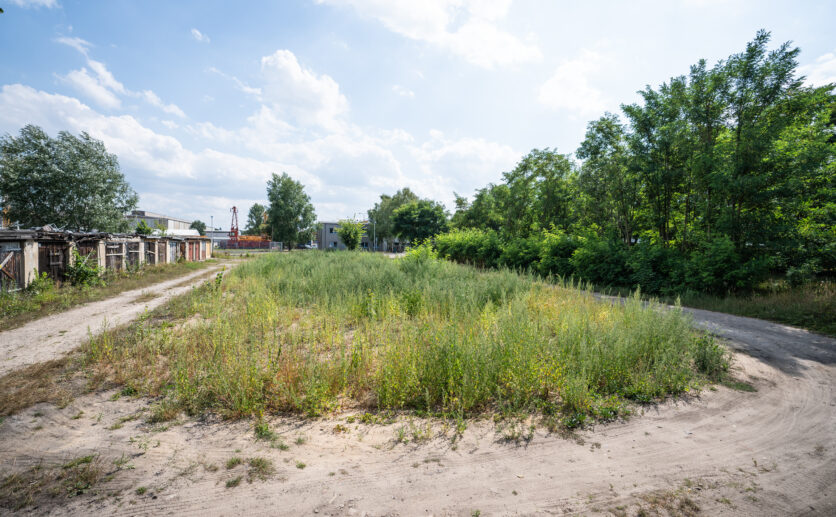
(712, 181)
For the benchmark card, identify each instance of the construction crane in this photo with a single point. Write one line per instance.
(233, 227)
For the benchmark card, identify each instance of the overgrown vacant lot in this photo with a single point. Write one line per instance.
(314, 332)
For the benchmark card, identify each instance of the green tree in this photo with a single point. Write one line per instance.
(71, 181)
(419, 220)
(142, 228)
(351, 232)
(200, 226)
(611, 189)
(759, 103)
(540, 193)
(486, 210)
(255, 220)
(381, 215)
(291, 215)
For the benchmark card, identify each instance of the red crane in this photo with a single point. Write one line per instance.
(233, 227)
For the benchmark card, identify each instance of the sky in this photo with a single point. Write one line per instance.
(202, 100)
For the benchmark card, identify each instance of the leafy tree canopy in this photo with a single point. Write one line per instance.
(71, 181)
(291, 215)
(200, 226)
(255, 220)
(351, 233)
(381, 215)
(419, 220)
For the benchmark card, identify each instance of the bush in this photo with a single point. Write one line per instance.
(716, 267)
(803, 274)
(555, 251)
(478, 247)
(521, 254)
(83, 271)
(655, 268)
(41, 284)
(601, 261)
(710, 358)
(419, 260)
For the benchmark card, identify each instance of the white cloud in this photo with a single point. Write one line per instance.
(403, 91)
(309, 98)
(92, 88)
(76, 43)
(154, 100)
(170, 124)
(461, 165)
(100, 86)
(49, 4)
(105, 78)
(822, 71)
(199, 36)
(467, 28)
(570, 88)
(104, 89)
(241, 85)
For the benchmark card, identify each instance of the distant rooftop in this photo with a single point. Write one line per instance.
(153, 215)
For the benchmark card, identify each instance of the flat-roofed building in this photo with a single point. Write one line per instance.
(153, 219)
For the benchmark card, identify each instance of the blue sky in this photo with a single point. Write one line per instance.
(202, 100)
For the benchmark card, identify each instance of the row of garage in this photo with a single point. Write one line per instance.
(26, 253)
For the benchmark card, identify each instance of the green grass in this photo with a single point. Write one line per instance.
(20, 307)
(314, 332)
(811, 306)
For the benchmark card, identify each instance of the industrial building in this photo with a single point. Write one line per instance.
(154, 220)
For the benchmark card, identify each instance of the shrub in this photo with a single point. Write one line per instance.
(805, 273)
(710, 358)
(716, 267)
(83, 271)
(555, 251)
(418, 260)
(41, 284)
(470, 246)
(601, 261)
(655, 268)
(521, 253)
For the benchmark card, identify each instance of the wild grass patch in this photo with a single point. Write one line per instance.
(317, 332)
(50, 484)
(43, 297)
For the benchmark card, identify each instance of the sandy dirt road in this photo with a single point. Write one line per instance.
(52, 336)
(723, 452)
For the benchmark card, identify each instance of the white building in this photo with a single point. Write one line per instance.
(152, 220)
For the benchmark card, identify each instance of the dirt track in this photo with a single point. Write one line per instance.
(59, 333)
(727, 452)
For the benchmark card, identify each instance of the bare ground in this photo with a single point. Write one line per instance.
(60, 333)
(723, 452)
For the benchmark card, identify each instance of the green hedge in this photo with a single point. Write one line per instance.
(714, 267)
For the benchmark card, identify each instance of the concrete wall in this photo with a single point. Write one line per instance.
(327, 237)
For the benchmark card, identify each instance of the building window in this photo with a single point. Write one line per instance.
(331, 229)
